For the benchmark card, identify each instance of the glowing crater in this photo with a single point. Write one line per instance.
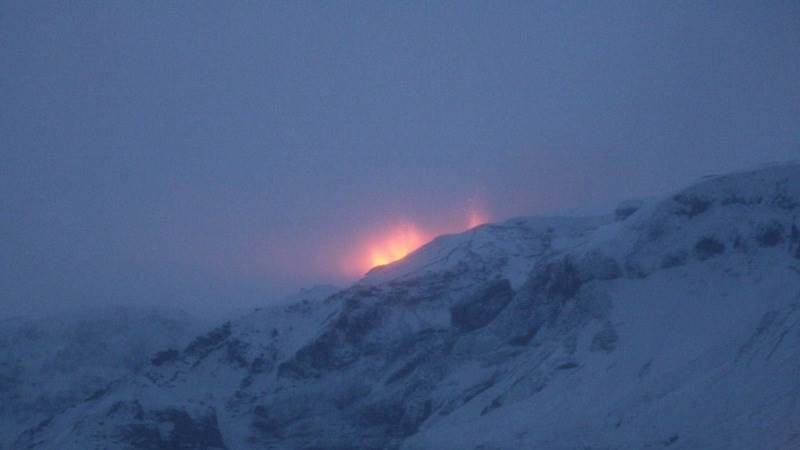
(395, 245)
(380, 249)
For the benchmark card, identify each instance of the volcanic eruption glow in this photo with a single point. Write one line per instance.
(475, 218)
(395, 245)
(385, 247)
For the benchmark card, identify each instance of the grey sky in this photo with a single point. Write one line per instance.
(207, 154)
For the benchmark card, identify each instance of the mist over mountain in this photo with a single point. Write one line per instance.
(671, 322)
(212, 157)
(360, 225)
(51, 362)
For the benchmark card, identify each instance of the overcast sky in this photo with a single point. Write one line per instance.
(215, 154)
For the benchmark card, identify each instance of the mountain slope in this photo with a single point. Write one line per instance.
(674, 323)
(50, 363)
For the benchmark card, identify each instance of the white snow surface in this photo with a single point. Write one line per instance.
(51, 362)
(674, 323)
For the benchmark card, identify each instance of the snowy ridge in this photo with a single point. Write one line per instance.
(673, 323)
(50, 363)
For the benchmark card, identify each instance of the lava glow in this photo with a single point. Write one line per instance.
(395, 245)
(475, 218)
(384, 247)
(387, 246)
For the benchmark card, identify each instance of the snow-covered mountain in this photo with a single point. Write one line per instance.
(52, 362)
(671, 323)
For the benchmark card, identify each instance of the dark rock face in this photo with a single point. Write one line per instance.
(476, 312)
(467, 395)
(708, 247)
(357, 321)
(164, 357)
(567, 366)
(29, 438)
(770, 235)
(560, 280)
(132, 409)
(624, 211)
(398, 416)
(8, 382)
(204, 345)
(794, 238)
(597, 266)
(353, 351)
(674, 259)
(420, 351)
(340, 344)
(270, 424)
(235, 353)
(325, 353)
(188, 433)
(542, 299)
(771, 332)
(164, 429)
(605, 340)
(691, 206)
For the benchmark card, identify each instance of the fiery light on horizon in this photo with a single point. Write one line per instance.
(396, 245)
(475, 218)
(385, 247)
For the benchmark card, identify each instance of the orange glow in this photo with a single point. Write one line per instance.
(396, 245)
(475, 218)
(382, 248)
